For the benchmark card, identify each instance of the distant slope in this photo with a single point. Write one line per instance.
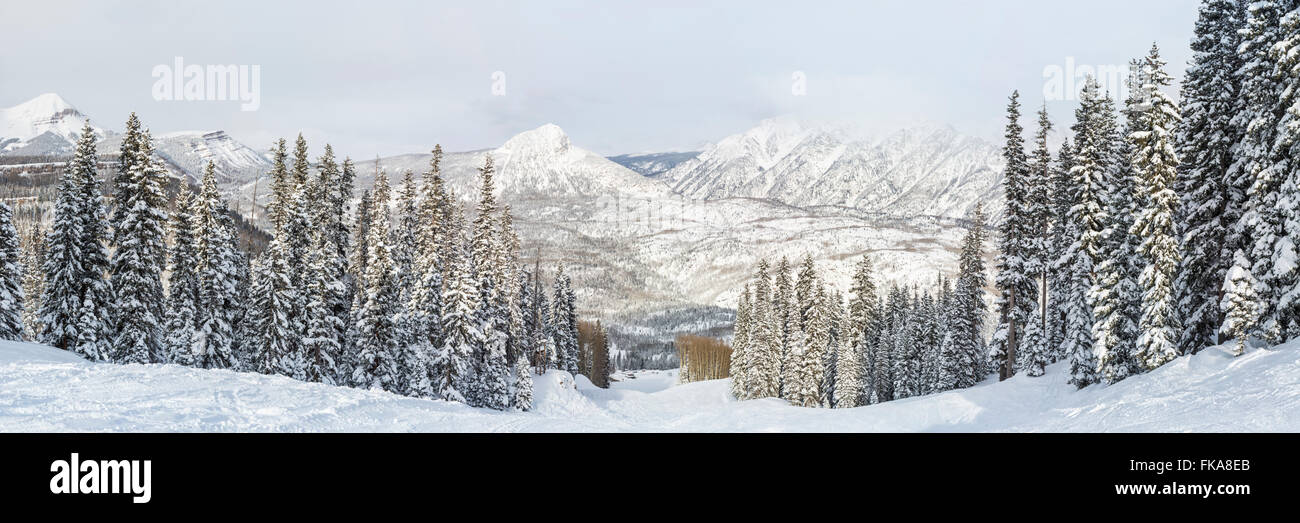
(652, 164)
(912, 172)
(49, 390)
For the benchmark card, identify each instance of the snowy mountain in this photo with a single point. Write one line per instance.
(49, 126)
(634, 246)
(191, 150)
(45, 125)
(921, 171)
(49, 390)
(653, 164)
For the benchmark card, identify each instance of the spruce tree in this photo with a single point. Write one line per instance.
(33, 258)
(765, 362)
(1205, 147)
(1156, 165)
(962, 353)
(11, 290)
(1261, 222)
(183, 282)
(75, 257)
(1015, 284)
(135, 272)
(740, 347)
(1035, 351)
(461, 334)
(522, 398)
(1087, 220)
(1285, 275)
(378, 336)
(1241, 305)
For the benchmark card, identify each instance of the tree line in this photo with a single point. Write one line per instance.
(795, 339)
(1153, 232)
(401, 293)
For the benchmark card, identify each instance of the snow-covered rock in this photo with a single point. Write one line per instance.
(45, 125)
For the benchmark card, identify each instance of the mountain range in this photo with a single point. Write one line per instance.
(645, 233)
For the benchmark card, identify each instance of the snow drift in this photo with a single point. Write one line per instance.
(45, 389)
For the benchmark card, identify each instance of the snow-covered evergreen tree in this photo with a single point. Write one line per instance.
(1261, 222)
(1014, 282)
(1156, 164)
(378, 336)
(461, 334)
(740, 347)
(1035, 351)
(847, 379)
(765, 360)
(33, 257)
(962, 354)
(522, 396)
(1060, 276)
(1206, 139)
(67, 276)
(1285, 155)
(1241, 306)
(135, 272)
(183, 282)
(1094, 145)
(11, 275)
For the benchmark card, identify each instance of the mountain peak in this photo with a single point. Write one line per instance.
(22, 124)
(43, 106)
(547, 139)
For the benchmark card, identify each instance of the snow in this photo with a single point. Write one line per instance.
(46, 389)
(48, 113)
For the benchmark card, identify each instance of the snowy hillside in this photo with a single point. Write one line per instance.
(911, 172)
(45, 125)
(50, 390)
(635, 246)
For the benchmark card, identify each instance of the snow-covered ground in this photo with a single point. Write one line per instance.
(44, 389)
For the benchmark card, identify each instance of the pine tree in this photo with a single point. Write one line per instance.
(425, 305)
(275, 352)
(522, 398)
(11, 275)
(1060, 280)
(847, 378)
(135, 271)
(377, 342)
(1241, 305)
(863, 318)
(66, 274)
(218, 274)
(1206, 140)
(1115, 297)
(321, 345)
(183, 282)
(1014, 282)
(1285, 274)
(1260, 223)
(461, 334)
(1156, 165)
(765, 364)
(963, 352)
(1035, 350)
(740, 347)
(33, 257)
(1086, 225)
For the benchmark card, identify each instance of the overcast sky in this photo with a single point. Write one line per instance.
(619, 76)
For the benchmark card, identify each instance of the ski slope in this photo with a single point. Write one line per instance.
(45, 389)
